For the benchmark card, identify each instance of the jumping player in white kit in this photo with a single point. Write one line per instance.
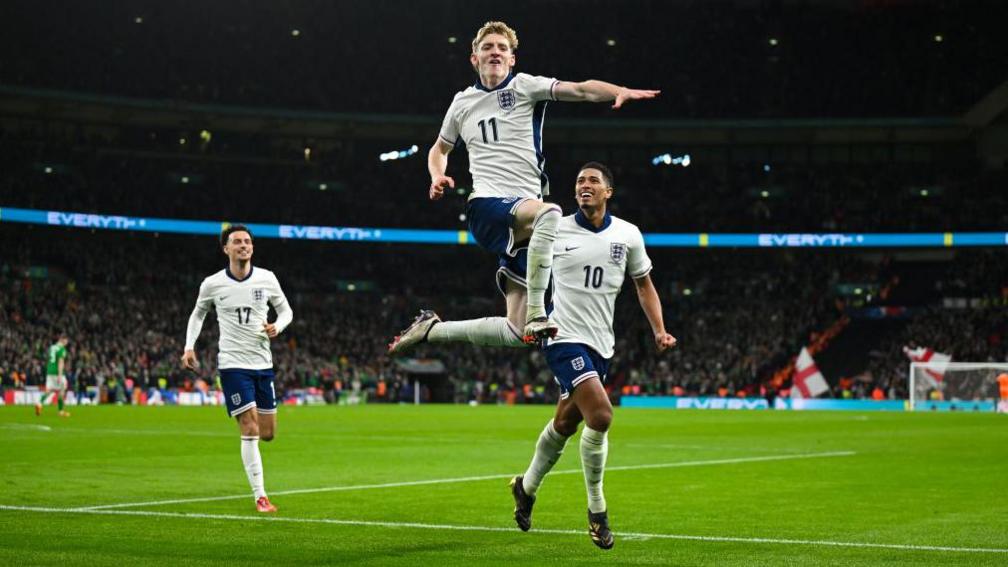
(500, 121)
(594, 252)
(241, 296)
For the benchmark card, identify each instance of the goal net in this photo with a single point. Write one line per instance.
(955, 386)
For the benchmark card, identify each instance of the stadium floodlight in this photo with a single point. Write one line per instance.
(773, 41)
(138, 20)
(399, 154)
(667, 159)
(48, 169)
(955, 386)
(452, 39)
(295, 32)
(939, 38)
(323, 186)
(610, 42)
(184, 179)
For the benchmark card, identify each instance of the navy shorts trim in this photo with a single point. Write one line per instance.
(573, 363)
(491, 221)
(245, 389)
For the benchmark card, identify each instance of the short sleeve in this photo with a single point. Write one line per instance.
(276, 294)
(449, 133)
(638, 262)
(536, 87)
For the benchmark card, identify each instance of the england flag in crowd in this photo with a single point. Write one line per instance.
(808, 382)
(937, 362)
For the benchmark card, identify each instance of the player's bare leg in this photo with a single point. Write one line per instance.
(267, 426)
(537, 222)
(248, 424)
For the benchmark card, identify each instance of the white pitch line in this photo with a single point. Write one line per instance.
(415, 525)
(25, 427)
(473, 479)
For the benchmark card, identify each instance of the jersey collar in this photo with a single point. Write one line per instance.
(227, 270)
(503, 84)
(583, 222)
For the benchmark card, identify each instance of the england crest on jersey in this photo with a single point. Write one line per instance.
(506, 100)
(617, 252)
(258, 295)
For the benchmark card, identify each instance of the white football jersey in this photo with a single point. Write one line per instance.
(589, 267)
(242, 308)
(502, 130)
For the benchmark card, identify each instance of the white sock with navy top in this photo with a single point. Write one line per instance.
(488, 331)
(540, 258)
(549, 447)
(253, 464)
(594, 450)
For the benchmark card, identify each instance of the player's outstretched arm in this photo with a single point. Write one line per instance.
(437, 165)
(600, 91)
(651, 304)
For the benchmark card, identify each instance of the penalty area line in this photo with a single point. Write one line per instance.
(343, 488)
(631, 536)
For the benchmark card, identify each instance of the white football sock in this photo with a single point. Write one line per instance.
(548, 450)
(488, 331)
(540, 258)
(253, 464)
(594, 449)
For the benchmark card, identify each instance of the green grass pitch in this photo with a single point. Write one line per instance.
(405, 485)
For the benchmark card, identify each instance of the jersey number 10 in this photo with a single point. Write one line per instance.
(593, 276)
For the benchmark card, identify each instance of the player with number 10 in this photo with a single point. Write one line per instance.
(499, 119)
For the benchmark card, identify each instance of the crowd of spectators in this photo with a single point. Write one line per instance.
(738, 59)
(740, 316)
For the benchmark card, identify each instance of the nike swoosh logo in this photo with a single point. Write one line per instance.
(569, 248)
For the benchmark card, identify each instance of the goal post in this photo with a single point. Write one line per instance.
(955, 386)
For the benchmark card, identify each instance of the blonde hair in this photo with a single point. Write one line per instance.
(499, 28)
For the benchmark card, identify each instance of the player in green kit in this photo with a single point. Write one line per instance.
(56, 382)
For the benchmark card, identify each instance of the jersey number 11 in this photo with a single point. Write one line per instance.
(493, 126)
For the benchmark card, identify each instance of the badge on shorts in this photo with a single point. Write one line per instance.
(236, 399)
(578, 363)
(506, 100)
(617, 252)
(258, 295)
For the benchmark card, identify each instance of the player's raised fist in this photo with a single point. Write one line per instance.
(664, 341)
(438, 186)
